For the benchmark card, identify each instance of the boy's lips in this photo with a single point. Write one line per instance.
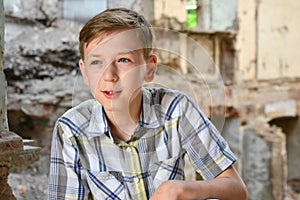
(110, 93)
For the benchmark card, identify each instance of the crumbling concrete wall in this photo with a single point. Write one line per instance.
(77, 10)
(37, 64)
(41, 55)
(246, 57)
(270, 31)
(14, 152)
(215, 15)
(261, 150)
(154, 10)
(137, 5)
(170, 9)
(278, 39)
(45, 11)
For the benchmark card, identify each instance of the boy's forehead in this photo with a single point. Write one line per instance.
(117, 41)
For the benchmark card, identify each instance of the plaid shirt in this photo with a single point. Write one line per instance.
(86, 162)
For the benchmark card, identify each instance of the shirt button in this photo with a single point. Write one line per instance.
(136, 179)
(128, 149)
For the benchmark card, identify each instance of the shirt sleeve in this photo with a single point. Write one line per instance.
(207, 150)
(66, 178)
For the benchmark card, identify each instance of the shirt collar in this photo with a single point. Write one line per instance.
(148, 118)
(98, 124)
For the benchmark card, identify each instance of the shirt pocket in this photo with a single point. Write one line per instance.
(169, 169)
(106, 185)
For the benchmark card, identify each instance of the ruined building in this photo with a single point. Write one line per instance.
(238, 59)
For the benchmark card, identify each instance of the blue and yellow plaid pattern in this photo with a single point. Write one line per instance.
(88, 163)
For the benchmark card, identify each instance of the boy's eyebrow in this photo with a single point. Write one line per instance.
(127, 51)
(94, 55)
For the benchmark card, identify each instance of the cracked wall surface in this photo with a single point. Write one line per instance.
(270, 31)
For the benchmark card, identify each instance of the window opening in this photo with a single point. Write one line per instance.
(191, 19)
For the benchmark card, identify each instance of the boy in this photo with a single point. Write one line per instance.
(129, 142)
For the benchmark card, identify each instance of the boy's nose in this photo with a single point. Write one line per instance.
(111, 73)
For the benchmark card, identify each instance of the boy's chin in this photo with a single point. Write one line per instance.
(115, 106)
(116, 110)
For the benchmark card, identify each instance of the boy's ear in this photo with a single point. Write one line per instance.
(151, 68)
(83, 71)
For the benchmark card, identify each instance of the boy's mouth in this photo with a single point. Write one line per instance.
(111, 93)
(108, 92)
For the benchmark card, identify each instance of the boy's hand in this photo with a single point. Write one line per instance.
(171, 190)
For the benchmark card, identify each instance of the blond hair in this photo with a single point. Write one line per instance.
(115, 19)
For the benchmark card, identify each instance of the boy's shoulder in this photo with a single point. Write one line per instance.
(83, 120)
(81, 111)
(163, 95)
(161, 105)
(160, 92)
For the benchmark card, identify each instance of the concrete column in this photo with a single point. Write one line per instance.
(5, 191)
(3, 84)
(256, 166)
(264, 164)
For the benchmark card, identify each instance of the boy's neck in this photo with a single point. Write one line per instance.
(122, 124)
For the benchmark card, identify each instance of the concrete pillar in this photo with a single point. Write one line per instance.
(5, 191)
(3, 116)
(264, 164)
(256, 166)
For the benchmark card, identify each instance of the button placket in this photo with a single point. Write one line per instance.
(136, 169)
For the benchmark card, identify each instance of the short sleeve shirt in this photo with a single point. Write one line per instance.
(88, 163)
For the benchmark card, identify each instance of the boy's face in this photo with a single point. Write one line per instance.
(115, 68)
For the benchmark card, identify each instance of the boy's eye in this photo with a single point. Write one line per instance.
(96, 62)
(124, 60)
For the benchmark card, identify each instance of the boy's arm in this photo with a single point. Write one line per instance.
(227, 185)
(66, 177)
